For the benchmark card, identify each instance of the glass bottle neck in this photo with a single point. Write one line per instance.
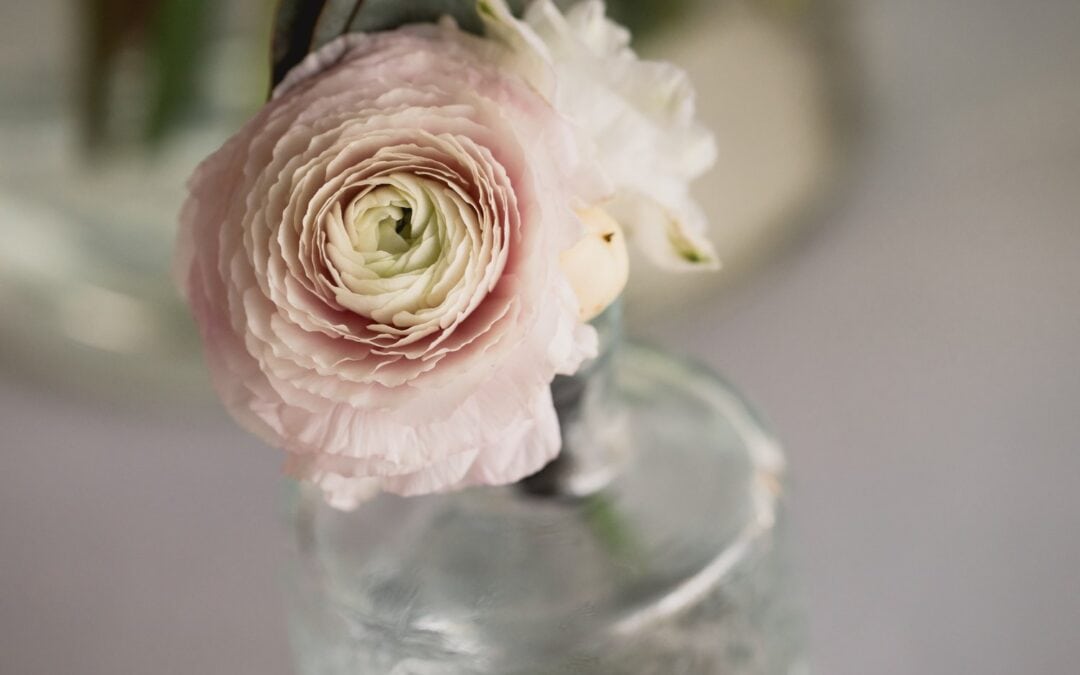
(590, 421)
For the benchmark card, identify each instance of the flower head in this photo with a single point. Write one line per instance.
(374, 263)
(391, 262)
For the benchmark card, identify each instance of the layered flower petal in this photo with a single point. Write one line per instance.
(374, 263)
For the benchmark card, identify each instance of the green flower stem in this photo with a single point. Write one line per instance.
(169, 39)
(176, 50)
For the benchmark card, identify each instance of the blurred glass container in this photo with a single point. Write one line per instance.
(106, 106)
(652, 546)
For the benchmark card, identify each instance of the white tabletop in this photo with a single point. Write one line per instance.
(919, 354)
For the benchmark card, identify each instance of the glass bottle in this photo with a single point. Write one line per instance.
(651, 546)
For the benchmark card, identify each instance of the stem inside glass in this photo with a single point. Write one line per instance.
(590, 420)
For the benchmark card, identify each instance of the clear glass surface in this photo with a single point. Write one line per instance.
(672, 564)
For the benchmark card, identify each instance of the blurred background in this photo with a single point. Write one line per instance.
(898, 206)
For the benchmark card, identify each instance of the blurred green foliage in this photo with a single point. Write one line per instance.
(644, 18)
(159, 43)
(168, 39)
(304, 25)
(178, 32)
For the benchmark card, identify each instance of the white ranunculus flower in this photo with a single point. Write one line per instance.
(637, 117)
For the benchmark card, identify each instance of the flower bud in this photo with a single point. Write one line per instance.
(597, 266)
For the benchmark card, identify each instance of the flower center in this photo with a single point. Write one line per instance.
(408, 251)
(395, 231)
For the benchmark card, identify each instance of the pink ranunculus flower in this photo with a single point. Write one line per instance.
(374, 264)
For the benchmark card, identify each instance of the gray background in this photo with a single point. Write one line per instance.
(919, 354)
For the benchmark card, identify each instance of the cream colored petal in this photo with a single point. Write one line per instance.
(597, 266)
(526, 53)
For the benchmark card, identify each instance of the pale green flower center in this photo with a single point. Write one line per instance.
(395, 232)
(408, 251)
